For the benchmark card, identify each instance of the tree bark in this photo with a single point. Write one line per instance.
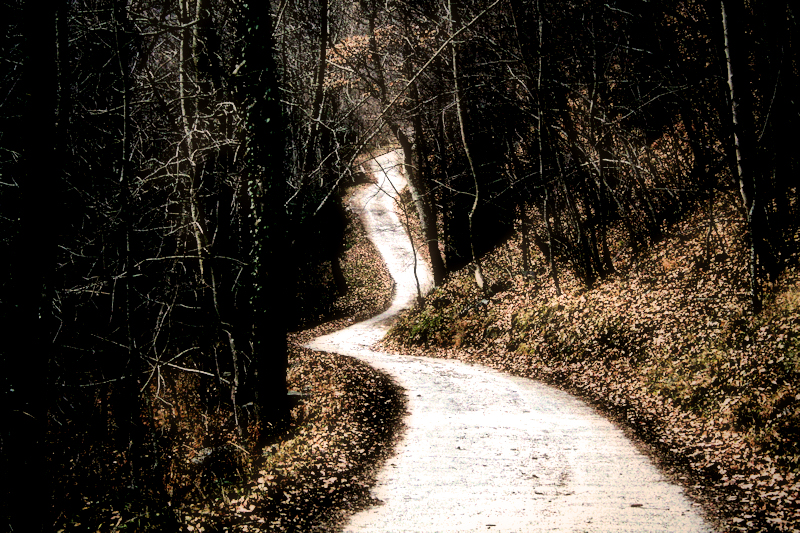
(589, 258)
(319, 91)
(741, 120)
(416, 184)
(128, 393)
(540, 148)
(266, 191)
(27, 489)
(455, 21)
(418, 179)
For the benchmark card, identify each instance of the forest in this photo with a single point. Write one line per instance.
(172, 175)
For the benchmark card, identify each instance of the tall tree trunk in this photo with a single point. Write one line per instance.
(266, 190)
(420, 192)
(540, 148)
(187, 164)
(589, 258)
(741, 119)
(455, 22)
(584, 262)
(128, 393)
(27, 489)
(416, 185)
(191, 169)
(551, 259)
(319, 91)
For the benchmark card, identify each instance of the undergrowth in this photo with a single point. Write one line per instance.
(197, 473)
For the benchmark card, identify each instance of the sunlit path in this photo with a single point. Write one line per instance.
(483, 451)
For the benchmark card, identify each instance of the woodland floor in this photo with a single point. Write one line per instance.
(665, 346)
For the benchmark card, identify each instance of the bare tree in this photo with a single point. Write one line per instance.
(455, 23)
(741, 120)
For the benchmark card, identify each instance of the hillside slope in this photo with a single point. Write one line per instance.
(665, 345)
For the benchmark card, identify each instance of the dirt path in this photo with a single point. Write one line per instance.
(483, 451)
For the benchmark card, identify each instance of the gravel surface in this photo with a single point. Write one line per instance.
(483, 451)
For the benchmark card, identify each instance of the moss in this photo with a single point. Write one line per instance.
(426, 327)
(430, 323)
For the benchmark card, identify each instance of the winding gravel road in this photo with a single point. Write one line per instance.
(484, 451)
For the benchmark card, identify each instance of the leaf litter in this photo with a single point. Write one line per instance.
(665, 345)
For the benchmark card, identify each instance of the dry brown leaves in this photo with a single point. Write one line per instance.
(320, 473)
(666, 346)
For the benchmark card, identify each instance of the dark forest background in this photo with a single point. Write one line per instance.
(170, 170)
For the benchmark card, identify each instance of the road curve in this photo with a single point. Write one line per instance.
(484, 451)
